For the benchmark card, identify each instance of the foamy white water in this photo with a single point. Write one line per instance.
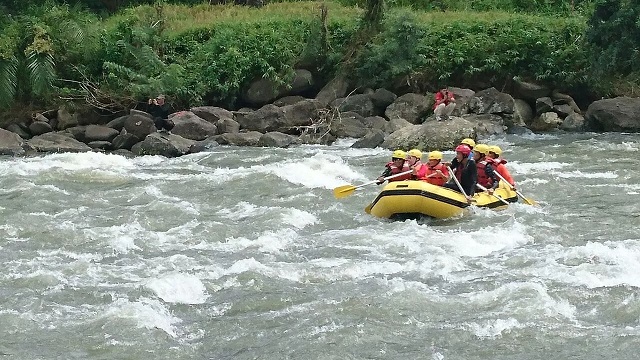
(243, 253)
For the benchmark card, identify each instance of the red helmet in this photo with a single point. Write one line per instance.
(464, 149)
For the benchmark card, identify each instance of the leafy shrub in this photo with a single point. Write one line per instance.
(438, 52)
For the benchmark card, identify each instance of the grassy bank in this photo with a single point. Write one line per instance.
(209, 54)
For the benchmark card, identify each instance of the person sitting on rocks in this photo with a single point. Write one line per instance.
(444, 105)
(159, 110)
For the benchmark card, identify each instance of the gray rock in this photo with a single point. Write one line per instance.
(276, 139)
(491, 101)
(428, 137)
(543, 105)
(546, 122)
(66, 119)
(99, 133)
(463, 98)
(227, 126)
(302, 82)
(102, 145)
(522, 113)
(140, 113)
(251, 138)
(118, 123)
(57, 142)
(370, 140)
(529, 91)
(15, 128)
(139, 125)
(125, 141)
(169, 145)
(376, 122)
(39, 128)
(563, 110)
(382, 98)
(190, 126)
(617, 114)
(77, 132)
(336, 88)
(396, 124)
(212, 114)
(358, 103)
(348, 124)
(11, 143)
(411, 107)
(573, 122)
(288, 100)
(203, 145)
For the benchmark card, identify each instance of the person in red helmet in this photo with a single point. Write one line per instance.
(465, 170)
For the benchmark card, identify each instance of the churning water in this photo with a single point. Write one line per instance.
(244, 253)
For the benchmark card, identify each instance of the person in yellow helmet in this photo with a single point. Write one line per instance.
(436, 172)
(499, 164)
(415, 164)
(397, 165)
(486, 174)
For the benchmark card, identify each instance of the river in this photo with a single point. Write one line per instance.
(244, 253)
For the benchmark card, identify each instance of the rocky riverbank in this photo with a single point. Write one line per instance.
(283, 117)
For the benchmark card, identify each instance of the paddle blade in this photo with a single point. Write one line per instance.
(343, 191)
(526, 200)
(368, 209)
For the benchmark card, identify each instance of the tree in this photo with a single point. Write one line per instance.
(613, 36)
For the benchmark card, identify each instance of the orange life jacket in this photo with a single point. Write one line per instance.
(500, 168)
(483, 178)
(436, 179)
(397, 170)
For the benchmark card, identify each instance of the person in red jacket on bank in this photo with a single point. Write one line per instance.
(499, 164)
(396, 166)
(444, 105)
(437, 172)
(486, 175)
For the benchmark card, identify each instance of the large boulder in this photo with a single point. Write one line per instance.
(190, 126)
(99, 133)
(372, 139)
(546, 122)
(358, 103)
(348, 124)
(57, 142)
(139, 125)
(522, 113)
(491, 101)
(250, 138)
(529, 91)
(336, 88)
(212, 114)
(263, 91)
(169, 145)
(463, 98)
(287, 119)
(617, 114)
(11, 143)
(431, 136)
(573, 122)
(276, 139)
(382, 98)
(411, 107)
(39, 128)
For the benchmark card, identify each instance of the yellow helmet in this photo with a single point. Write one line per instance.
(415, 152)
(399, 154)
(481, 149)
(435, 155)
(495, 149)
(469, 142)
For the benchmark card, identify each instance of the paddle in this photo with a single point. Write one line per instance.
(347, 190)
(498, 197)
(526, 201)
(457, 183)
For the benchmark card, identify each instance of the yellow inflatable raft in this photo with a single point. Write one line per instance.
(406, 199)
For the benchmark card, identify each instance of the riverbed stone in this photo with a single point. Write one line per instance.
(11, 143)
(428, 137)
(57, 142)
(617, 114)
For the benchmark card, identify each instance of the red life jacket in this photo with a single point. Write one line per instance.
(483, 178)
(436, 179)
(397, 170)
(498, 166)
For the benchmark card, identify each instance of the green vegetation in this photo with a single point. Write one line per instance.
(201, 53)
